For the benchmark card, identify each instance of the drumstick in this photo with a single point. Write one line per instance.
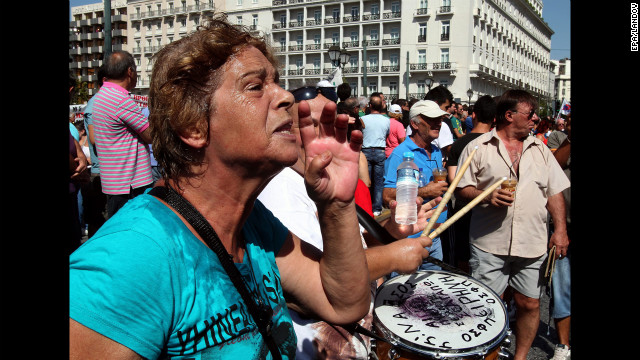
(466, 209)
(447, 194)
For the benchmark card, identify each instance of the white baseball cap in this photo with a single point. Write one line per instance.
(395, 109)
(427, 108)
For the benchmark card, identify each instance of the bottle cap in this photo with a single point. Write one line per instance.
(408, 154)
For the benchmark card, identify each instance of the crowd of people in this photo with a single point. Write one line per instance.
(223, 220)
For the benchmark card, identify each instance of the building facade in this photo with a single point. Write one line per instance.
(562, 72)
(401, 48)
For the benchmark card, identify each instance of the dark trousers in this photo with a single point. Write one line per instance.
(115, 202)
(94, 202)
(375, 159)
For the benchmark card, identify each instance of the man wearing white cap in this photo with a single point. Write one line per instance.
(426, 120)
(397, 133)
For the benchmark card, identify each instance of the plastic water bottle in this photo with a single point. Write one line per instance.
(424, 180)
(407, 190)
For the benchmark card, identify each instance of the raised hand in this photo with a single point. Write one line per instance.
(425, 211)
(331, 163)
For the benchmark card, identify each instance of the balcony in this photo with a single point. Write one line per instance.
(350, 70)
(314, 22)
(332, 20)
(371, 17)
(312, 72)
(296, 24)
(350, 44)
(375, 42)
(371, 69)
(297, 47)
(351, 18)
(422, 38)
(278, 2)
(423, 12)
(313, 47)
(278, 25)
(392, 68)
(392, 15)
(438, 66)
(295, 72)
(445, 10)
(394, 41)
(444, 37)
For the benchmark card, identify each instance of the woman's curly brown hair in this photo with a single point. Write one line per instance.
(185, 75)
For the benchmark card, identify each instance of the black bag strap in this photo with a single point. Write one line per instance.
(261, 313)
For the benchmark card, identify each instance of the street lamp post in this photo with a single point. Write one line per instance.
(338, 57)
(469, 94)
(429, 82)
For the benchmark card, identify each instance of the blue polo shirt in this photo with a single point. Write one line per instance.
(420, 159)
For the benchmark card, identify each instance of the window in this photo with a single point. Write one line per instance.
(335, 37)
(316, 63)
(300, 17)
(354, 36)
(373, 34)
(395, 7)
(444, 55)
(283, 20)
(353, 61)
(254, 20)
(355, 12)
(422, 87)
(316, 39)
(336, 14)
(393, 87)
(239, 20)
(375, 9)
(373, 60)
(373, 87)
(395, 33)
(393, 59)
(423, 4)
(444, 34)
(422, 56)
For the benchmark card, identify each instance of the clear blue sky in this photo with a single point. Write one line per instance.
(555, 12)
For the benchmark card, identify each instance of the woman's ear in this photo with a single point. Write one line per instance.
(194, 137)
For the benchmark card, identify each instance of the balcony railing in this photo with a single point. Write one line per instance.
(332, 20)
(444, 37)
(431, 66)
(422, 38)
(351, 18)
(295, 72)
(312, 72)
(371, 69)
(392, 15)
(444, 9)
(298, 47)
(391, 68)
(422, 11)
(350, 44)
(371, 17)
(313, 47)
(296, 23)
(314, 22)
(370, 42)
(394, 41)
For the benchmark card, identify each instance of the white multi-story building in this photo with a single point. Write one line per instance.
(398, 47)
(562, 73)
(86, 39)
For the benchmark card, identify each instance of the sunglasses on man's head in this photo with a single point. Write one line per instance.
(305, 93)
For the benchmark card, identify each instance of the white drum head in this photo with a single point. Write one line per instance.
(440, 314)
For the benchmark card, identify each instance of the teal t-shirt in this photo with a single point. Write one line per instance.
(145, 281)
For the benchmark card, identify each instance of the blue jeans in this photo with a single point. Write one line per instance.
(375, 159)
(561, 287)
